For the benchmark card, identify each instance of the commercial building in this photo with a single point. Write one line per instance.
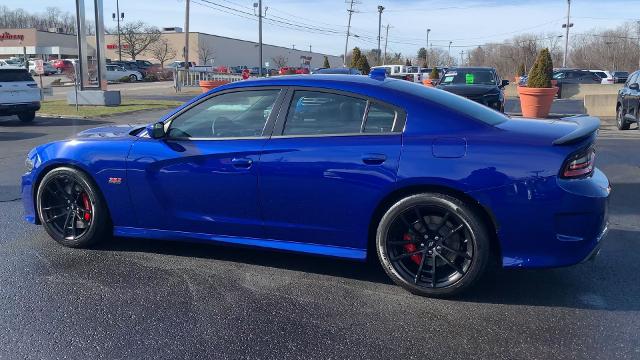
(204, 49)
(37, 44)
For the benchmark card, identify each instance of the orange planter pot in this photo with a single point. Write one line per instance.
(207, 85)
(427, 82)
(536, 102)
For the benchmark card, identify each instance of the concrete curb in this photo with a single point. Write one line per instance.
(58, 116)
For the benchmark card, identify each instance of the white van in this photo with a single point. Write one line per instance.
(19, 94)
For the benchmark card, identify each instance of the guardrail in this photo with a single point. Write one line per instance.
(191, 78)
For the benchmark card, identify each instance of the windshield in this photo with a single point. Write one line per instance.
(468, 77)
(14, 75)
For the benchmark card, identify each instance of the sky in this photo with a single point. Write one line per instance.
(323, 23)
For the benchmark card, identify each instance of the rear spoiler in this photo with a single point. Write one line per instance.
(587, 125)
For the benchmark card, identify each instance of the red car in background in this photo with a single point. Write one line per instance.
(302, 70)
(62, 65)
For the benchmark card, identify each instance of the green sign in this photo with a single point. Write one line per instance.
(469, 78)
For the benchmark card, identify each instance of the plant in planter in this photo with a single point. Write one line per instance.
(520, 73)
(434, 76)
(536, 98)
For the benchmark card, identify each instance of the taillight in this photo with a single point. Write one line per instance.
(579, 165)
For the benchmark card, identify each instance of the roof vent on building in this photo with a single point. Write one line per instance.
(173, 29)
(57, 30)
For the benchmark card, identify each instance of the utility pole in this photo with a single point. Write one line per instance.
(426, 56)
(346, 44)
(310, 49)
(293, 46)
(186, 35)
(639, 44)
(260, 38)
(380, 10)
(386, 37)
(461, 57)
(449, 60)
(117, 16)
(566, 36)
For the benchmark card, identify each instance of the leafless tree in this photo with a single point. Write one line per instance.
(280, 61)
(137, 37)
(162, 51)
(205, 53)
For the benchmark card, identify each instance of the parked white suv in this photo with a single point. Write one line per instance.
(19, 94)
(606, 76)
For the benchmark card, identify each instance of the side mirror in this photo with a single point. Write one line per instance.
(634, 86)
(156, 131)
(504, 83)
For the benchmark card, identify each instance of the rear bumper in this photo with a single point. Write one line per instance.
(549, 222)
(13, 109)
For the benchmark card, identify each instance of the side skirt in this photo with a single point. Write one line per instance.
(316, 249)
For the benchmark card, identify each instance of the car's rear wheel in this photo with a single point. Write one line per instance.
(432, 244)
(132, 77)
(27, 116)
(621, 123)
(71, 208)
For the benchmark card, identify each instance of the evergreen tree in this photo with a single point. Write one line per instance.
(356, 54)
(326, 63)
(363, 65)
(542, 70)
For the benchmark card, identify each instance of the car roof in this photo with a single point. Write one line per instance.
(472, 68)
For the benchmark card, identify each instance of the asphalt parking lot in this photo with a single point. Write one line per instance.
(151, 299)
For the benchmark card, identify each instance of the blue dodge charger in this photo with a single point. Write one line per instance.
(435, 185)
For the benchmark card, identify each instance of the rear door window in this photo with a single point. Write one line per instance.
(12, 75)
(380, 119)
(323, 113)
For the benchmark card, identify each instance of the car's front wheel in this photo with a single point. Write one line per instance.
(132, 77)
(27, 116)
(432, 244)
(71, 208)
(621, 123)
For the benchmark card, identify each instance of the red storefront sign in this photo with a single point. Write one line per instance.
(115, 46)
(9, 36)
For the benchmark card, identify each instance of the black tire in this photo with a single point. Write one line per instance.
(621, 123)
(27, 116)
(72, 185)
(470, 255)
(132, 77)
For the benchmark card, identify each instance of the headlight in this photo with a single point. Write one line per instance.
(28, 163)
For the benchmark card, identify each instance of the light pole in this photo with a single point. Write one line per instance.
(346, 44)
(461, 57)
(449, 60)
(117, 16)
(566, 39)
(426, 56)
(186, 35)
(259, 6)
(386, 37)
(380, 10)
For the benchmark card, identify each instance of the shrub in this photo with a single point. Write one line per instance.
(521, 70)
(150, 77)
(326, 63)
(434, 74)
(363, 65)
(355, 57)
(542, 70)
(124, 79)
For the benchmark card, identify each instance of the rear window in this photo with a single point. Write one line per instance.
(453, 102)
(8, 75)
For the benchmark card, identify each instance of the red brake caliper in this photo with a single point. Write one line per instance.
(87, 205)
(417, 258)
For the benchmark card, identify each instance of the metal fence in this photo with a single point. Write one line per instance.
(191, 78)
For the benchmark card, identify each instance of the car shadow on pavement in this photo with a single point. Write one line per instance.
(607, 283)
(19, 135)
(51, 121)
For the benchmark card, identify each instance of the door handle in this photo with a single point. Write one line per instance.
(241, 163)
(373, 159)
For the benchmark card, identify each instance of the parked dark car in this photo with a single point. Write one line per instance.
(130, 65)
(343, 71)
(574, 76)
(480, 84)
(254, 70)
(620, 77)
(628, 104)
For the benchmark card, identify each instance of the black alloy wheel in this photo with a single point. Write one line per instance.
(432, 244)
(70, 208)
(621, 123)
